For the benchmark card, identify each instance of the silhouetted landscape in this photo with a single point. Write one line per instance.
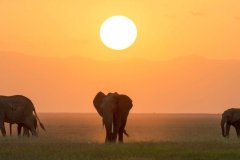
(119, 80)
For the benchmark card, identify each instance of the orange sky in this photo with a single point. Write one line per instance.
(150, 71)
(167, 28)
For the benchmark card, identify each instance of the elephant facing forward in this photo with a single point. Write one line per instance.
(18, 109)
(114, 109)
(230, 117)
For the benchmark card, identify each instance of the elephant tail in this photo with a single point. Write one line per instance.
(41, 124)
(125, 132)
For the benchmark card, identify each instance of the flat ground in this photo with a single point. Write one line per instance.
(152, 136)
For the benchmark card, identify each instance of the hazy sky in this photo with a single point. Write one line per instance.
(167, 28)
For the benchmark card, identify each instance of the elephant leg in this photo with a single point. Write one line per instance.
(114, 136)
(26, 131)
(121, 130)
(3, 130)
(19, 129)
(238, 132)
(10, 126)
(108, 137)
(120, 136)
(33, 131)
(116, 127)
(29, 123)
(227, 129)
(236, 128)
(2, 127)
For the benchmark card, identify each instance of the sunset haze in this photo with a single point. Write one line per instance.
(186, 58)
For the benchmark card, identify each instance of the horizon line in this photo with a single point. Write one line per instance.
(131, 113)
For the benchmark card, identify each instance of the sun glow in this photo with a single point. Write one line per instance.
(118, 32)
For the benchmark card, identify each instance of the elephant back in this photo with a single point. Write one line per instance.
(231, 115)
(16, 108)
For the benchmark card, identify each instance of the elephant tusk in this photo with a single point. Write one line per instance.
(112, 128)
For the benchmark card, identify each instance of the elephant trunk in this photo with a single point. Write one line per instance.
(223, 127)
(114, 133)
(108, 122)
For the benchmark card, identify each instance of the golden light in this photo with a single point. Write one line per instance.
(118, 32)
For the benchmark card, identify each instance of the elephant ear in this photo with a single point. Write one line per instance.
(97, 102)
(124, 102)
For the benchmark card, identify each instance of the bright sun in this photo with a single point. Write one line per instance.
(118, 32)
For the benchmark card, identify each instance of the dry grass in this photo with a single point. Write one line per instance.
(153, 136)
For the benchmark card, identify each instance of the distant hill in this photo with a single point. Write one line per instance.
(182, 85)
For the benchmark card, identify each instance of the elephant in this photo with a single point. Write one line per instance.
(230, 117)
(18, 109)
(25, 129)
(114, 109)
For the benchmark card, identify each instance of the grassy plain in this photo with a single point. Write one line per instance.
(152, 136)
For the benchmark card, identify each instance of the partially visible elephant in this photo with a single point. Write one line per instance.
(114, 109)
(230, 117)
(25, 129)
(18, 109)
